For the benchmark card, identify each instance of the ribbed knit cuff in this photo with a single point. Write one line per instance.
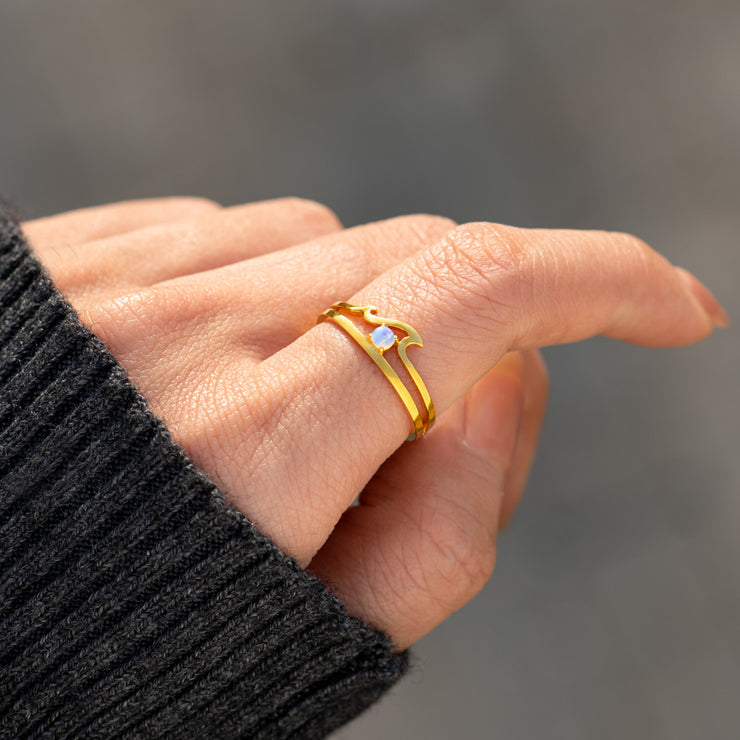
(133, 601)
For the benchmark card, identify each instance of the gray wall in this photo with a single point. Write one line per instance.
(615, 606)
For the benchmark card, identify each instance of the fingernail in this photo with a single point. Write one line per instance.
(492, 414)
(708, 302)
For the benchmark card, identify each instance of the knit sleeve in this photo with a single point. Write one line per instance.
(134, 602)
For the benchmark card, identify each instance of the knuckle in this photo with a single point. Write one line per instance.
(151, 312)
(462, 552)
(426, 226)
(629, 240)
(636, 252)
(383, 244)
(312, 211)
(502, 251)
(482, 266)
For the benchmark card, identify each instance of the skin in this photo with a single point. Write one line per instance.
(212, 313)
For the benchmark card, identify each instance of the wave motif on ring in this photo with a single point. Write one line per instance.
(379, 341)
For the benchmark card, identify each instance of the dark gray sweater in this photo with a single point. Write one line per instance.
(133, 601)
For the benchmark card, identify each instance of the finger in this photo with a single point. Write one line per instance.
(141, 258)
(233, 310)
(535, 391)
(705, 298)
(422, 542)
(181, 342)
(481, 291)
(304, 278)
(55, 233)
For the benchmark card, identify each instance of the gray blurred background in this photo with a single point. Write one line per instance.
(614, 611)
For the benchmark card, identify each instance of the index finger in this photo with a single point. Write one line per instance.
(480, 292)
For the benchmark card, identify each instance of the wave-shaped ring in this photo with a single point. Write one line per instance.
(379, 341)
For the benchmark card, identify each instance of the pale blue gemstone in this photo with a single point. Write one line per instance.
(383, 337)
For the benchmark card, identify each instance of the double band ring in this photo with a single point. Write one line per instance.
(381, 339)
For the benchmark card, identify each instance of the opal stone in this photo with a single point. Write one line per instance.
(383, 337)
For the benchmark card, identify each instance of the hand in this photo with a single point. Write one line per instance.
(212, 313)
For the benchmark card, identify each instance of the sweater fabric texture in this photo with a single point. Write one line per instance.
(134, 602)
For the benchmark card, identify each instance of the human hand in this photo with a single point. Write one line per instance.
(212, 313)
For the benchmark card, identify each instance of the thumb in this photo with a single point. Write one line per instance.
(422, 541)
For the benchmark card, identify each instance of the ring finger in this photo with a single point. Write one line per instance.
(249, 309)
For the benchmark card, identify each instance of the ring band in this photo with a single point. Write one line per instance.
(375, 344)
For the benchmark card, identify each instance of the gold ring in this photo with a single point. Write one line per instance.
(375, 344)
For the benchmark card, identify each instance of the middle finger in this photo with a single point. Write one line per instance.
(118, 265)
